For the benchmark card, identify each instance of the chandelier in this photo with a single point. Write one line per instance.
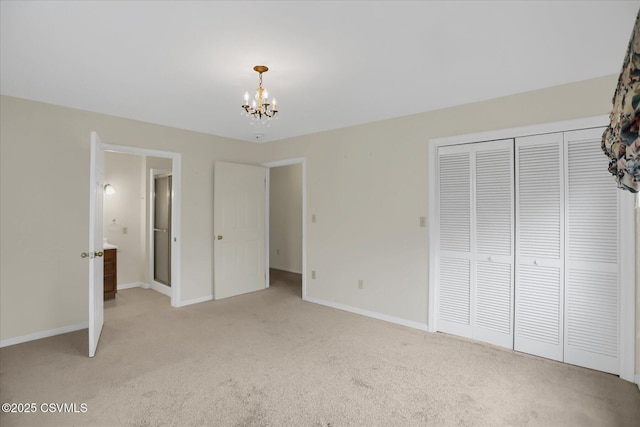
(260, 106)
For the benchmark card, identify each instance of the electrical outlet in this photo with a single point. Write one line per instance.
(423, 221)
(360, 284)
(277, 251)
(313, 217)
(125, 230)
(313, 274)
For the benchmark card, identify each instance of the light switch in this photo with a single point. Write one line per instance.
(313, 217)
(423, 221)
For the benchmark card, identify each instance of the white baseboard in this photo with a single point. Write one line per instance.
(44, 334)
(638, 380)
(288, 270)
(195, 300)
(373, 314)
(129, 286)
(159, 287)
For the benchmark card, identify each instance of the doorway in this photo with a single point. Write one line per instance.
(169, 249)
(286, 217)
(160, 203)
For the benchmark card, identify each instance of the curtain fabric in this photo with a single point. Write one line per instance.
(620, 140)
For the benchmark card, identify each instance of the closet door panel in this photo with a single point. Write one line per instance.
(454, 255)
(539, 283)
(493, 214)
(592, 284)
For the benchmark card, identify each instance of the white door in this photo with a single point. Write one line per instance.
(493, 242)
(239, 227)
(591, 263)
(539, 284)
(475, 268)
(96, 266)
(454, 243)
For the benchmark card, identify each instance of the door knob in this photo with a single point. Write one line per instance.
(99, 253)
(219, 237)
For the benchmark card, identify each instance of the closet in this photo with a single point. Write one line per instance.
(527, 253)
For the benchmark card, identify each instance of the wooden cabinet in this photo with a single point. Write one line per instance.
(110, 273)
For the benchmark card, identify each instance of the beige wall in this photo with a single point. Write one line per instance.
(122, 213)
(367, 186)
(285, 218)
(44, 207)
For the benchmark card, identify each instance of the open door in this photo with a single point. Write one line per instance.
(239, 227)
(96, 266)
(162, 190)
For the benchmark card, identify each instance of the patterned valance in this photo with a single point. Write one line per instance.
(620, 141)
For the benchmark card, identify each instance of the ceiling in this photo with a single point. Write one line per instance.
(332, 64)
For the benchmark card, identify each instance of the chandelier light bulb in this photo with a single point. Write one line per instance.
(246, 97)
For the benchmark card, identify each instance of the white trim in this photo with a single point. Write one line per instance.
(267, 226)
(367, 313)
(160, 287)
(44, 334)
(288, 162)
(433, 233)
(196, 300)
(517, 132)
(628, 256)
(627, 280)
(638, 381)
(129, 286)
(176, 211)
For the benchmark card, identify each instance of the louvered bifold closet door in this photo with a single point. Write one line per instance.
(454, 242)
(494, 199)
(539, 286)
(591, 279)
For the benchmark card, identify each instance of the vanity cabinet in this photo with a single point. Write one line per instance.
(110, 273)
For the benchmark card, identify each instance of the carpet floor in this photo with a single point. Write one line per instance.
(270, 359)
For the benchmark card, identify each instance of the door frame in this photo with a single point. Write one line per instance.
(627, 302)
(176, 170)
(156, 286)
(275, 164)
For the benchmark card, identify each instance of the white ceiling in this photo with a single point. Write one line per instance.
(332, 64)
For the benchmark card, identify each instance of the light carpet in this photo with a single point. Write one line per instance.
(270, 359)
